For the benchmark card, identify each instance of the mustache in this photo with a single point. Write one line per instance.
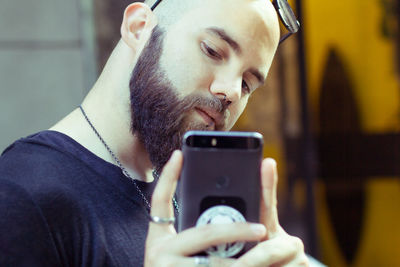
(210, 102)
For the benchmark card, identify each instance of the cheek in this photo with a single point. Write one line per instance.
(186, 67)
(235, 112)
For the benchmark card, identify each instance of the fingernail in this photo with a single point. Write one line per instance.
(258, 229)
(271, 161)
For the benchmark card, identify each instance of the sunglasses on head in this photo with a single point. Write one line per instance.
(287, 17)
(285, 13)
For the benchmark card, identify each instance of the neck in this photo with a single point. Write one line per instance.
(108, 108)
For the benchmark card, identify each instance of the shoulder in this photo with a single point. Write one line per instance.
(46, 146)
(39, 192)
(37, 170)
(23, 230)
(38, 160)
(29, 151)
(40, 175)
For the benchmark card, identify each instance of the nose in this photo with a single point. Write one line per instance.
(225, 101)
(227, 90)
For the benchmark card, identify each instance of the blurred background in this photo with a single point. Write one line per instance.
(329, 112)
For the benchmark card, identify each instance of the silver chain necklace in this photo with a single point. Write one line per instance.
(124, 171)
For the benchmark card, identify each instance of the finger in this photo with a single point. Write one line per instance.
(300, 260)
(280, 251)
(195, 240)
(177, 261)
(161, 202)
(269, 181)
(213, 261)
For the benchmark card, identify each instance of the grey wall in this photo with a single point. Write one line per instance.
(47, 63)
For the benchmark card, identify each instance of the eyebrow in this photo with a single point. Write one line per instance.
(258, 75)
(224, 36)
(221, 33)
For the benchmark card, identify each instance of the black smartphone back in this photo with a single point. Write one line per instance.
(220, 181)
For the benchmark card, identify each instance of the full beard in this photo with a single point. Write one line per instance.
(159, 118)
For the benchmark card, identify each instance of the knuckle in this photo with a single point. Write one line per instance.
(274, 254)
(303, 261)
(297, 243)
(270, 253)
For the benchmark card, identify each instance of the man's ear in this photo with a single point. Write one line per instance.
(137, 24)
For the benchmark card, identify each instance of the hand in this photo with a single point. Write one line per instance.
(279, 248)
(164, 247)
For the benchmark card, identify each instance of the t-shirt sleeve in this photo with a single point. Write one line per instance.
(24, 236)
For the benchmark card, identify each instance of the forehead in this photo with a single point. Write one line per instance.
(252, 23)
(250, 18)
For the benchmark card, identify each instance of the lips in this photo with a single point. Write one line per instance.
(210, 116)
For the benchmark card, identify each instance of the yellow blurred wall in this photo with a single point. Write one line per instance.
(354, 29)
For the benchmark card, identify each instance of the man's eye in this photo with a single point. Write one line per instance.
(210, 51)
(245, 87)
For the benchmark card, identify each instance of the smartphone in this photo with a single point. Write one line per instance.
(220, 183)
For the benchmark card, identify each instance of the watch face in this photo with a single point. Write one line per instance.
(222, 214)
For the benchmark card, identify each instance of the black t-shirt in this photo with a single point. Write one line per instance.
(61, 205)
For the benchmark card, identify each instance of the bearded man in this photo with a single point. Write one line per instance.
(79, 193)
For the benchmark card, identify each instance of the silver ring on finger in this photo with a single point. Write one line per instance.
(161, 220)
(202, 261)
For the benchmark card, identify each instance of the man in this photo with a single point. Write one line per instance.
(79, 193)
